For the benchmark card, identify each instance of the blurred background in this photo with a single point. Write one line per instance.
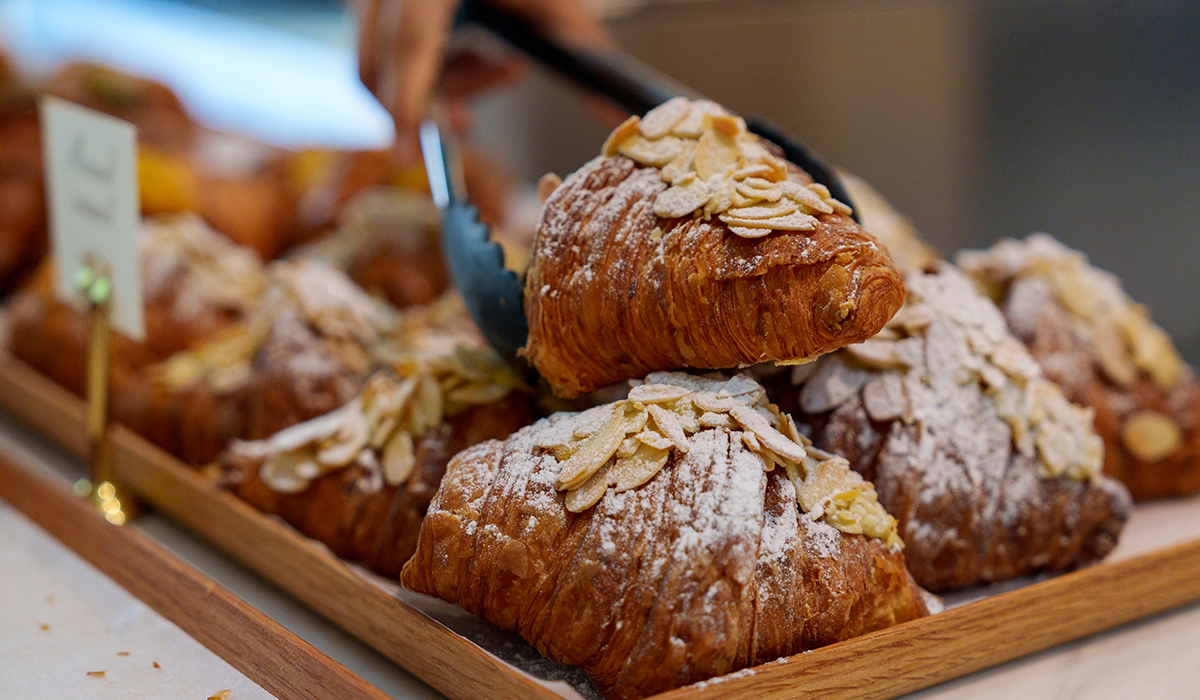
(977, 119)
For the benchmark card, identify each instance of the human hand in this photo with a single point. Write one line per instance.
(401, 55)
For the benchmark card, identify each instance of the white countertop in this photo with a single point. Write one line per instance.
(88, 620)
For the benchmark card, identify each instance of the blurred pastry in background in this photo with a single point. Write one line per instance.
(388, 243)
(1104, 351)
(22, 197)
(888, 225)
(691, 243)
(195, 283)
(990, 471)
(360, 478)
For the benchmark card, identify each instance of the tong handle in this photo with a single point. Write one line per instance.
(616, 75)
(628, 83)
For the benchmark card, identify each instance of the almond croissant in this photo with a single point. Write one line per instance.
(691, 243)
(991, 472)
(1104, 351)
(645, 541)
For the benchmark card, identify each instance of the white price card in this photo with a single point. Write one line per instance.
(91, 167)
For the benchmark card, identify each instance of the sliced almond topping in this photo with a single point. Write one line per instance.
(749, 232)
(1151, 436)
(628, 128)
(795, 221)
(546, 186)
(344, 446)
(681, 201)
(628, 447)
(289, 472)
(716, 154)
(801, 194)
(765, 211)
(638, 468)
(659, 121)
(715, 420)
(709, 402)
(681, 170)
(726, 124)
(877, 354)
(752, 170)
(771, 438)
(595, 452)
(692, 126)
(589, 492)
(656, 393)
(884, 397)
(654, 439)
(399, 458)
(655, 153)
(670, 425)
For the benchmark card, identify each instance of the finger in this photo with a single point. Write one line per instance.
(417, 31)
(366, 17)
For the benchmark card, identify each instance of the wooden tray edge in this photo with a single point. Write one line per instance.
(882, 664)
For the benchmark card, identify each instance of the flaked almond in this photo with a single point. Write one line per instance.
(399, 458)
(659, 121)
(656, 393)
(655, 153)
(876, 354)
(802, 194)
(715, 420)
(1151, 436)
(771, 438)
(654, 439)
(796, 221)
(628, 446)
(711, 402)
(884, 397)
(343, 447)
(670, 425)
(638, 468)
(628, 128)
(726, 124)
(692, 125)
(680, 201)
(546, 186)
(752, 232)
(589, 492)
(601, 447)
(752, 170)
(289, 472)
(716, 154)
(762, 211)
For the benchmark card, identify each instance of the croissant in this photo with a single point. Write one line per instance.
(196, 284)
(989, 470)
(1106, 353)
(684, 533)
(360, 478)
(690, 243)
(307, 350)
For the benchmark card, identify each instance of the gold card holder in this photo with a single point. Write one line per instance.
(93, 280)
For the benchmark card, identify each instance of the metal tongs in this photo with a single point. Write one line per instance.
(493, 294)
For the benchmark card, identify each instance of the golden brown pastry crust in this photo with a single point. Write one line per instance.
(616, 292)
(707, 568)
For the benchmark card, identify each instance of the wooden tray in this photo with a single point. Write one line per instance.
(883, 664)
